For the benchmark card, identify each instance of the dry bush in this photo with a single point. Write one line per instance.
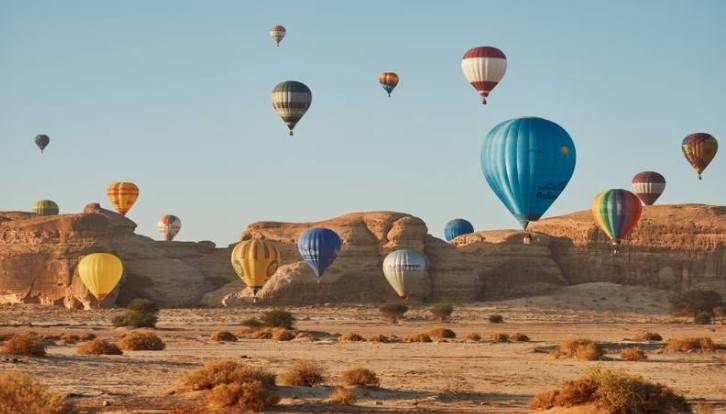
(246, 332)
(135, 319)
(215, 373)
(442, 311)
(88, 336)
(25, 344)
(644, 336)
(633, 354)
(20, 394)
(342, 396)
(98, 347)
(473, 336)
(252, 323)
(247, 396)
(282, 334)
(361, 377)
(496, 318)
(378, 338)
(351, 337)
(703, 344)
(265, 333)
(422, 337)
(141, 341)
(393, 311)
(303, 374)
(278, 318)
(613, 392)
(223, 336)
(518, 337)
(499, 337)
(582, 349)
(442, 333)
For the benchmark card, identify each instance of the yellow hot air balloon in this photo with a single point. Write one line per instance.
(255, 261)
(100, 273)
(123, 196)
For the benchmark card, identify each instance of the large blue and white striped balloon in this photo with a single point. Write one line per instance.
(456, 228)
(400, 268)
(319, 247)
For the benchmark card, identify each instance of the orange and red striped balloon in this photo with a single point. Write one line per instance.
(122, 196)
(699, 149)
(388, 80)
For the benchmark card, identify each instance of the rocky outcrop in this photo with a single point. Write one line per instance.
(674, 247)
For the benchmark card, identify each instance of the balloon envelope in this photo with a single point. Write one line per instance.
(699, 149)
(402, 267)
(277, 33)
(122, 196)
(388, 80)
(169, 226)
(648, 186)
(616, 212)
(255, 261)
(319, 247)
(484, 68)
(45, 208)
(42, 141)
(291, 99)
(456, 228)
(100, 273)
(528, 162)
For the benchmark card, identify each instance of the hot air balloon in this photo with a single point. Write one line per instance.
(42, 141)
(616, 212)
(456, 228)
(699, 149)
(648, 185)
(100, 273)
(169, 225)
(401, 267)
(527, 162)
(484, 68)
(291, 99)
(122, 196)
(45, 208)
(388, 80)
(255, 261)
(277, 33)
(319, 247)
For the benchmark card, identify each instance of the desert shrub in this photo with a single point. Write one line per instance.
(135, 319)
(442, 333)
(282, 334)
(613, 392)
(141, 341)
(694, 301)
(499, 337)
(143, 306)
(442, 311)
(422, 337)
(303, 374)
(19, 393)
(473, 336)
(378, 338)
(246, 396)
(351, 337)
(702, 344)
(703, 318)
(264, 333)
(223, 336)
(25, 344)
(361, 377)
(252, 323)
(278, 318)
(88, 336)
(393, 311)
(518, 337)
(496, 319)
(342, 396)
(582, 349)
(633, 354)
(98, 347)
(643, 336)
(215, 373)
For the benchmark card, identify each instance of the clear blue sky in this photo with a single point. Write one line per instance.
(175, 96)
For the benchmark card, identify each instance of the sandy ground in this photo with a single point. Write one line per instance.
(497, 378)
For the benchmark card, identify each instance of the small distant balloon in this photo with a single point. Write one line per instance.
(46, 208)
(457, 227)
(169, 226)
(319, 247)
(648, 186)
(278, 33)
(401, 268)
(388, 80)
(42, 141)
(122, 196)
(100, 273)
(616, 212)
(699, 149)
(291, 99)
(484, 68)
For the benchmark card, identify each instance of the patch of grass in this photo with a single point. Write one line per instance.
(473, 336)
(703, 318)
(246, 396)
(496, 319)
(379, 338)
(582, 349)
(351, 337)
(697, 344)
(223, 336)
(422, 337)
(633, 354)
(141, 313)
(215, 373)
(342, 396)
(613, 392)
(303, 374)
(499, 337)
(393, 311)
(442, 311)
(25, 344)
(442, 333)
(278, 318)
(644, 336)
(141, 341)
(361, 377)
(19, 393)
(98, 347)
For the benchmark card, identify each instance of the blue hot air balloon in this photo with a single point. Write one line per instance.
(319, 247)
(528, 162)
(456, 228)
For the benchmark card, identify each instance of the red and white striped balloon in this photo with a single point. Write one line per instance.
(484, 68)
(169, 225)
(277, 33)
(648, 186)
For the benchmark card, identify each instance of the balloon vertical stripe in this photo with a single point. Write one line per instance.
(699, 149)
(616, 212)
